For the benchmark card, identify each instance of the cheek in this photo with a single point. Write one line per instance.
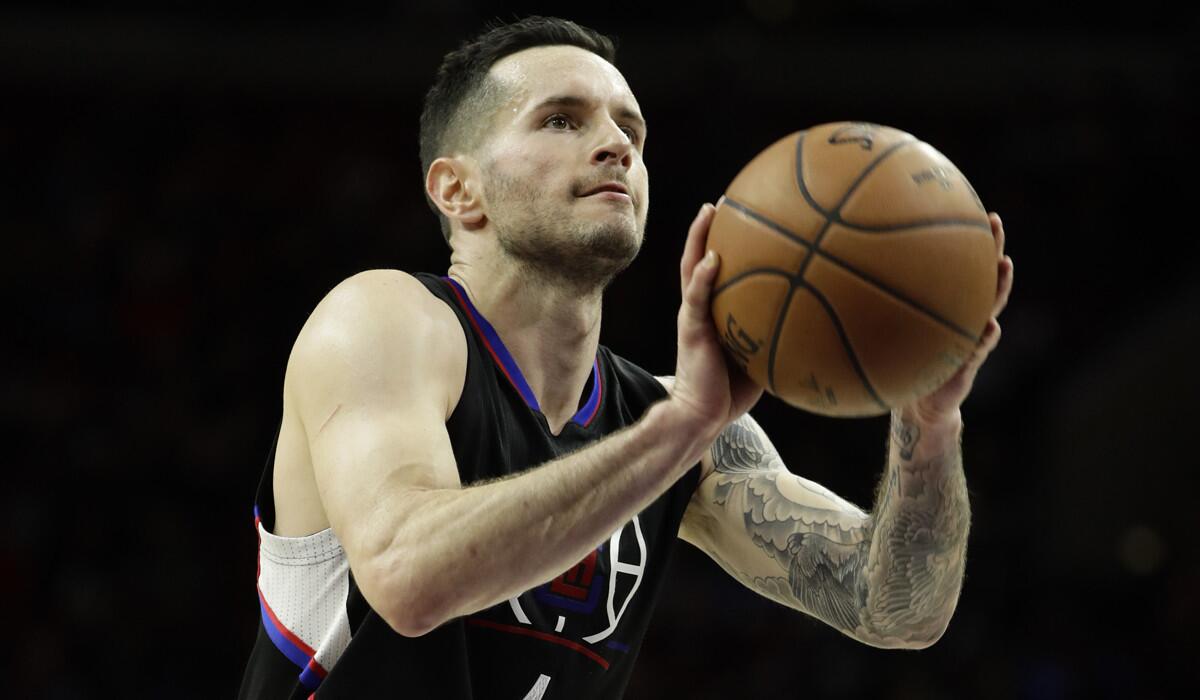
(525, 160)
(532, 178)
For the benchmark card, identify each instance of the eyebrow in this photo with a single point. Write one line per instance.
(624, 111)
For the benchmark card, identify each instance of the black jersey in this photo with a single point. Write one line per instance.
(575, 637)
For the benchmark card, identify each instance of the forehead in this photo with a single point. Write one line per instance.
(533, 75)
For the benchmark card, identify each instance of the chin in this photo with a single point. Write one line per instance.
(618, 244)
(581, 252)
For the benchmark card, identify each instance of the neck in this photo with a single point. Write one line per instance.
(551, 329)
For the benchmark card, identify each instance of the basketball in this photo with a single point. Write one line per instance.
(858, 269)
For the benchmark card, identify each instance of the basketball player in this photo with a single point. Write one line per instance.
(469, 497)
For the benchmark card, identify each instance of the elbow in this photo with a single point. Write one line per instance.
(893, 641)
(409, 616)
(410, 622)
(402, 603)
(913, 637)
(935, 633)
(927, 633)
(921, 640)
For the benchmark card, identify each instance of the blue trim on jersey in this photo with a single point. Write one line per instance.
(294, 653)
(584, 414)
(309, 678)
(501, 353)
(492, 338)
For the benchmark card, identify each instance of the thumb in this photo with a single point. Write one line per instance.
(698, 293)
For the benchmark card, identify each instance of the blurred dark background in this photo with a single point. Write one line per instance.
(183, 181)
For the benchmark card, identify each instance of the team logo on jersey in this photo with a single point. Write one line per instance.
(602, 575)
(578, 589)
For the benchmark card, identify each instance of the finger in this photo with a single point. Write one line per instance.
(965, 377)
(1004, 282)
(991, 336)
(997, 233)
(694, 249)
(987, 343)
(699, 290)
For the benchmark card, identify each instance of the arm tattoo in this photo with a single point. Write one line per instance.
(889, 578)
(820, 543)
(904, 436)
(918, 552)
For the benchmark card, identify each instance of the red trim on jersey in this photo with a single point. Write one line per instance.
(317, 668)
(552, 638)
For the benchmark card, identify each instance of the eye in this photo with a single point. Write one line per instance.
(558, 122)
(631, 133)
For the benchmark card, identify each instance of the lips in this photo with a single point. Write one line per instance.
(607, 187)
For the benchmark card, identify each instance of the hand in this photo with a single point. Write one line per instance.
(712, 389)
(945, 401)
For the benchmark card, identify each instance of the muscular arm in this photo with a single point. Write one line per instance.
(373, 401)
(497, 540)
(889, 578)
(374, 375)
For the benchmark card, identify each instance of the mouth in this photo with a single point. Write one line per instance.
(610, 191)
(610, 187)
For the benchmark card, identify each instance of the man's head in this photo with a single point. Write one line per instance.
(521, 127)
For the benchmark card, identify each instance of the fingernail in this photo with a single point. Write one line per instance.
(710, 258)
(701, 212)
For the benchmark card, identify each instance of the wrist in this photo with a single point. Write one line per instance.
(676, 425)
(933, 423)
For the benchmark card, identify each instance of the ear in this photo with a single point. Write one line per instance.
(453, 187)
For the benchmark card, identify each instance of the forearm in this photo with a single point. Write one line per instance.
(890, 578)
(499, 539)
(914, 570)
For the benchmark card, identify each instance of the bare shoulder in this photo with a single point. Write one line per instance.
(389, 299)
(379, 330)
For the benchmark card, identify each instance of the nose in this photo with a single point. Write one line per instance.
(615, 147)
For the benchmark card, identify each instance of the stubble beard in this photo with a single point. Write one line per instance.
(582, 256)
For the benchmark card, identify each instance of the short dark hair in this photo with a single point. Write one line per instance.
(459, 106)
